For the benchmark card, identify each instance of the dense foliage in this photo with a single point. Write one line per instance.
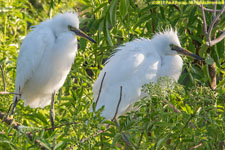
(198, 119)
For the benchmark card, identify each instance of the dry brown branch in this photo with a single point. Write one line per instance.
(172, 106)
(7, 93)
(209, 42)
(212, 72)
(59, 126)
(3, 78)
(15, 125)
(212, 25)
(214, 10)
(96, 134)
(177, 111)
(197, 145)
(217, 40)
(177, 7)
(100, 90)
(204, 21)
(206, 9)
(215, 19)
(124, 136)
(107, 127)
(118, 105)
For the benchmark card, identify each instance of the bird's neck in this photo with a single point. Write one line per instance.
(171, 66)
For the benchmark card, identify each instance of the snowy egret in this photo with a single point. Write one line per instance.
(134, 64)
(45, 59)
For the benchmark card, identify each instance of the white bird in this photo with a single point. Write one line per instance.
(134, 64)
(45, 59)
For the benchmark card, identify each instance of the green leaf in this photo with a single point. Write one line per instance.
(192, 17)
(112, 12)
(143, 19)
(160, 142)
(202, 51)
(209, 60)
(107, 34)
(59, 145)
(124, 5)
(99, 7)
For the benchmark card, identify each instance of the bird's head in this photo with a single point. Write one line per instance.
(169, 44)
(68, 22)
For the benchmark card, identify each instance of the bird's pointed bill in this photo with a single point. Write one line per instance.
(80, 33)
(185, 52)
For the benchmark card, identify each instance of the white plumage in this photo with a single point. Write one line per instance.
(134, 64)
(45, 59)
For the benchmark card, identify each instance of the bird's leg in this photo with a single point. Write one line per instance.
(7, 114)
(52, 112)
(14, 105)
(52, 118)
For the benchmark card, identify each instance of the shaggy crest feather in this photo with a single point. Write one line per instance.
(46, 56)
(134, 64)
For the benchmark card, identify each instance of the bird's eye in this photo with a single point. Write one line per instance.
(172, 46)
(69, 27)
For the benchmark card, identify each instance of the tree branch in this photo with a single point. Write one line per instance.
(214, 10)
(213, 23)
(206, 9)
(217, 40)
(118, 104)
(172, 106)
(204, 21)
(59, 126)
(107, 127)
(177, 111)
(196, 146)
(3, 78)
(15, 125)
(7, 93)
(100, 90)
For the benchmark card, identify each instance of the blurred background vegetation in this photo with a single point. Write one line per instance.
(199, 96)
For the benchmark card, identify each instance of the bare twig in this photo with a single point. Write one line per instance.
(96, 134)
(197, 145)
(16, 126)
(213, 23)
(59, 126)
(7, 93)
(204, 21)
(217, 40)
(206, 9)
(214, 10)
(212, 73)
(99, 93)
(118, 105)
(177, 111)
(177, 7)
(208, 31)
(3, 78)
(7, 113)
(172, 106)
(107, 127)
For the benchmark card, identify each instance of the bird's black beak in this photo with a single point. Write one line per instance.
(185, 52)
(80, 33)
